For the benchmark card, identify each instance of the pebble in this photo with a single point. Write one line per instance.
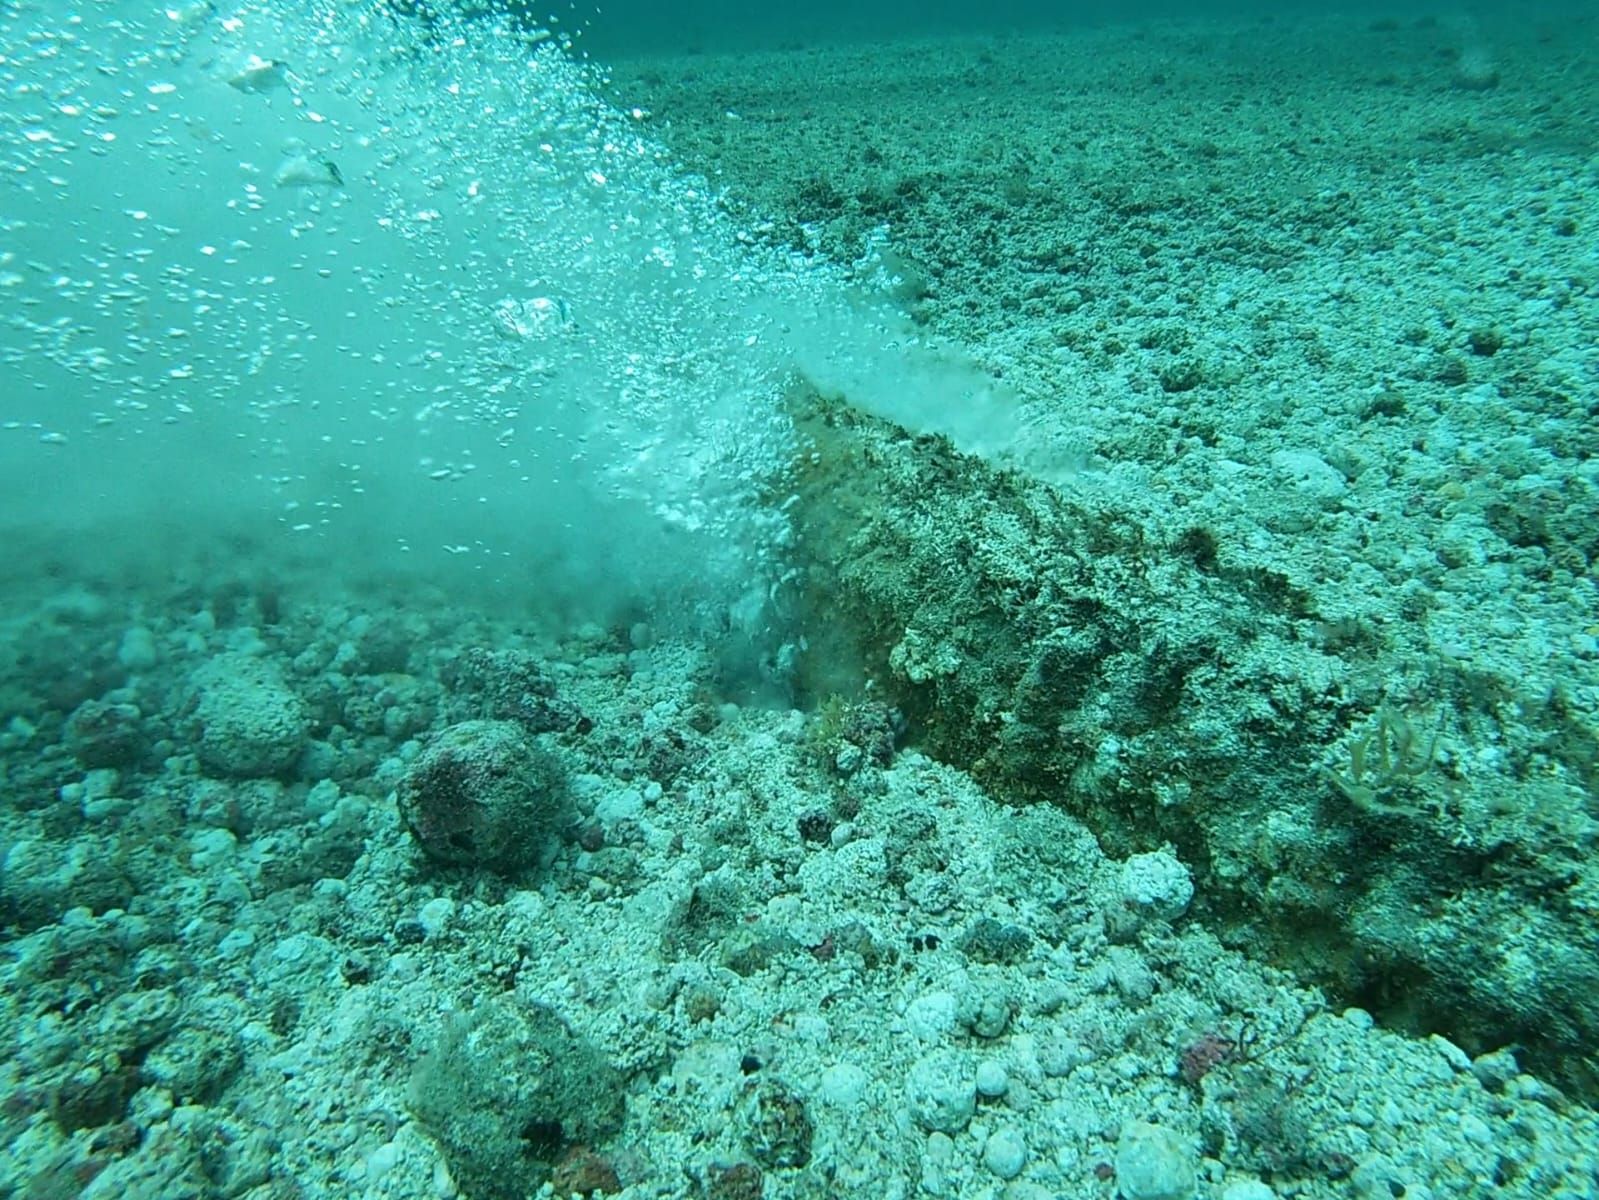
(1059, 1056)
(1495, 1070)
(381, 1161)
(1156, 885)
(1153, 1163)
(937, 1159)
(435, 915)
(843, 1085)
(992, 1082)
(1005, 1152)
(138, 651)
(940, 1092)
(931, 1017)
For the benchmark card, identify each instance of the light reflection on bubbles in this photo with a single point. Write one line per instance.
(399, 258)
(363, 270)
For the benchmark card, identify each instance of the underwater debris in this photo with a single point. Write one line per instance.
(307, 171)
(257, 74)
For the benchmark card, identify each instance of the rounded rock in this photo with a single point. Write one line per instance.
(1153, 1163)
(1156, 885)
(985, 1011)
(1496, 1070)
(940, 1092)
(106, 735)
(507, 1090)
(137, 650)
(1005, 1152)
(251, 724)
(483, 794)
(843, 1085)
(931, 1016)
(992, 1080)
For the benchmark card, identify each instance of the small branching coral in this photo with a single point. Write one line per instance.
(1384, 760)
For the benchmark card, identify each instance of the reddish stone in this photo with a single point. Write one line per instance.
(582, 1172)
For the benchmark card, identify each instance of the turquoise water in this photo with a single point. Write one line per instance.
(886, 602)
(377, 344)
